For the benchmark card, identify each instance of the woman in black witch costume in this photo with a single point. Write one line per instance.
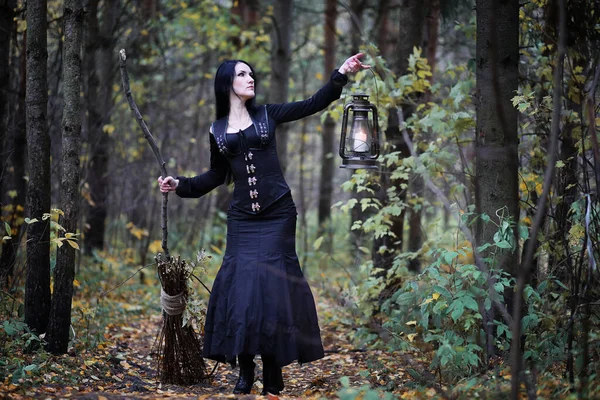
(260, 301)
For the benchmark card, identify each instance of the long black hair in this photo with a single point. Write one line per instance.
(223, 84)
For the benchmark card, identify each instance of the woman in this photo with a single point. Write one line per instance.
(260, 301)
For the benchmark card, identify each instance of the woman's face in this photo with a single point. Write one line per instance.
(243, 82)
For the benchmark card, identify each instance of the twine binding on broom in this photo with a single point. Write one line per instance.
(172, 305)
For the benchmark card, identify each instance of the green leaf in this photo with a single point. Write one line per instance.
(458, 311)
(8, 328)
(345, 381)
(470, 303)
(30, 367)
(562, 285)
(499, 287)
(523, 232)
(443, 291)
(30, 221)
(487, 304)
(7, 227)
(405, 299)
(483, 247)
(449, 256)
(503, 244)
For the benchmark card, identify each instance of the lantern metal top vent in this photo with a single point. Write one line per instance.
(360, 147)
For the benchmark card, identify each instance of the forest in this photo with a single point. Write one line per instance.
(463, 265)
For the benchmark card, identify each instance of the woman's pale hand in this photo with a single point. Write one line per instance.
(353, 64)
(169, 184)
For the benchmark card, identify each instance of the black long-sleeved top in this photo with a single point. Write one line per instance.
(251, 154)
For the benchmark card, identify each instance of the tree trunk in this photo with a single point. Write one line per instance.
(496, 164)
(327, 159)
(64, 272)
(99, 142)
(6, 21)
(37, 286)
(246, 12)
(7, 25)
(16, 150)
(280, 69)
(566, 177)
(497, 57)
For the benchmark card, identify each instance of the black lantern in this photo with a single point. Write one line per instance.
(360, 148)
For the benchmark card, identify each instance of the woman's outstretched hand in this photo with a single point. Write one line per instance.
(353, 64)
(169, 184)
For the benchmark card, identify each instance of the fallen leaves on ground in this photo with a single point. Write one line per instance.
(124, 365)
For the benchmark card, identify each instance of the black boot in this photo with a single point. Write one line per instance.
(272, 376)
(246, 379)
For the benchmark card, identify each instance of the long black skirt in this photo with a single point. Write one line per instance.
(260, 301)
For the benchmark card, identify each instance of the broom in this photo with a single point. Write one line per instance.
(179, 351)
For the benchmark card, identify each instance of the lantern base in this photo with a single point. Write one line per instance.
(359, 163)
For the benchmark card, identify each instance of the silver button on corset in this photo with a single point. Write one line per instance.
(251, 169)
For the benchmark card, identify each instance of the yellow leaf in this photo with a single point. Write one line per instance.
(411, 323)
(108, 129)
(57, 241)
(319, 76)
(216, 249)
(76, 283)
(12, 194)
(436, 296)
(155, 246)
(411, 336)
(73, 244)
(318, 243)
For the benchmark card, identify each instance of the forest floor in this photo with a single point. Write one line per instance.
(124, 366)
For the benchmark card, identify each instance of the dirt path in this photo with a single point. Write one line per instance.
(131, 371)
